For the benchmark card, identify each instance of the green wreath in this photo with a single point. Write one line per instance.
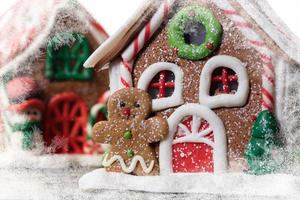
(212, 39)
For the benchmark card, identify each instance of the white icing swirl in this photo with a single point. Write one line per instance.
(131, 167)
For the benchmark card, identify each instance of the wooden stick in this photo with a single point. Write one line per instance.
(113, 46)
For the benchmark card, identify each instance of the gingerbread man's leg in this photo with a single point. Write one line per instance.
(115, 167)
(140, 172)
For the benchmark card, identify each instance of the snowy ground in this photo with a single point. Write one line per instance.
(63, 184)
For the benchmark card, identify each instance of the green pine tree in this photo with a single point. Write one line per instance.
(264, 139)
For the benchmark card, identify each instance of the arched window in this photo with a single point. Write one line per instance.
(224, 82)
(66, 62)
(163, 81)
(196, 142)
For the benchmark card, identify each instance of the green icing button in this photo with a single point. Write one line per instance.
(130, 153)
(127, 135)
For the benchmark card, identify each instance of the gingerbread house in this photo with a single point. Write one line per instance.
(211, 68)
(46, 95)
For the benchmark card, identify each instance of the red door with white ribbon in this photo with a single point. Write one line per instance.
(196, 142)
(65, 123)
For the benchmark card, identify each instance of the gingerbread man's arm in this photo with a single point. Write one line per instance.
(157, 129)
(102, 132)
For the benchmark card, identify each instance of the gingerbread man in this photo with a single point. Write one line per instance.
(130, 133)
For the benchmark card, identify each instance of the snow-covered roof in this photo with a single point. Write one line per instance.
(263, 14)
(26, 25)
(258, 10)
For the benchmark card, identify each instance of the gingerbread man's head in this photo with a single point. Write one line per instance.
(129, 104)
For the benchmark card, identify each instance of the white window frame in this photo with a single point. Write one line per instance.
(219, 144)
(224, 100)
(166, 102)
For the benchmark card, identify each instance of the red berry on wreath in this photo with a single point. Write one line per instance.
(210, 46)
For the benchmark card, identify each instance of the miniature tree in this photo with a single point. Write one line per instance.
(264, 142)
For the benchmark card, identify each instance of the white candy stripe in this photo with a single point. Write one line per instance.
(125, 71)
(132, 166)
(146, 33)
(138, 43)
(268, 74)
(94, 113)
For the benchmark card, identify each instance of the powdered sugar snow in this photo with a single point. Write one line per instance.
(225, 184)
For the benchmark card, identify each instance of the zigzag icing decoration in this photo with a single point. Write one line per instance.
(132, 166)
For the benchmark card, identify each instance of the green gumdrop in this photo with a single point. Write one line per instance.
(265, 126)
(130, 153)
(127, 135)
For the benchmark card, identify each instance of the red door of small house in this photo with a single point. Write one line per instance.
(191, 155)
(65, 124)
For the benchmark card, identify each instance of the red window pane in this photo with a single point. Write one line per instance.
(162, 85)
(224, 81)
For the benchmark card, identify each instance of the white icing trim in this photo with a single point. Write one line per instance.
(132, 166)
(219, 145)
(166, 102)
(224, 100)
(114, 75)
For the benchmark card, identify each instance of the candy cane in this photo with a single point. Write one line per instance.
(125, 74)
(90, 147)
(266, 55)
(95, 110)
(138, 43)
(100, 106)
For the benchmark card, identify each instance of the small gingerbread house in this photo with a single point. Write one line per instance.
(45, 91)
(211, 68)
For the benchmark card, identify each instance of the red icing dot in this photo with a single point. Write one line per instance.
(253, 118)
(210, 46)
(175, 50)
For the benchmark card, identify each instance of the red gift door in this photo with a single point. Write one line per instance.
(196, 142)
(65, 123)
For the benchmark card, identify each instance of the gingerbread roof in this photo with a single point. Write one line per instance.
(257, 16)
(26, 26)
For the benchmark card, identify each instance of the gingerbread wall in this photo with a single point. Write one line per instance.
(237, 121)
(89, 91)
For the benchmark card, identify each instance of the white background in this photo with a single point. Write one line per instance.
(113, 13)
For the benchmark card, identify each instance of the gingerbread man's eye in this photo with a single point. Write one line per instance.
(122, 104)
(136, 104)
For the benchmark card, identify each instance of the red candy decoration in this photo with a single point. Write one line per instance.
(253, 118)
(126, 112)
(210, 46)
(65, 123)
(175, 50)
